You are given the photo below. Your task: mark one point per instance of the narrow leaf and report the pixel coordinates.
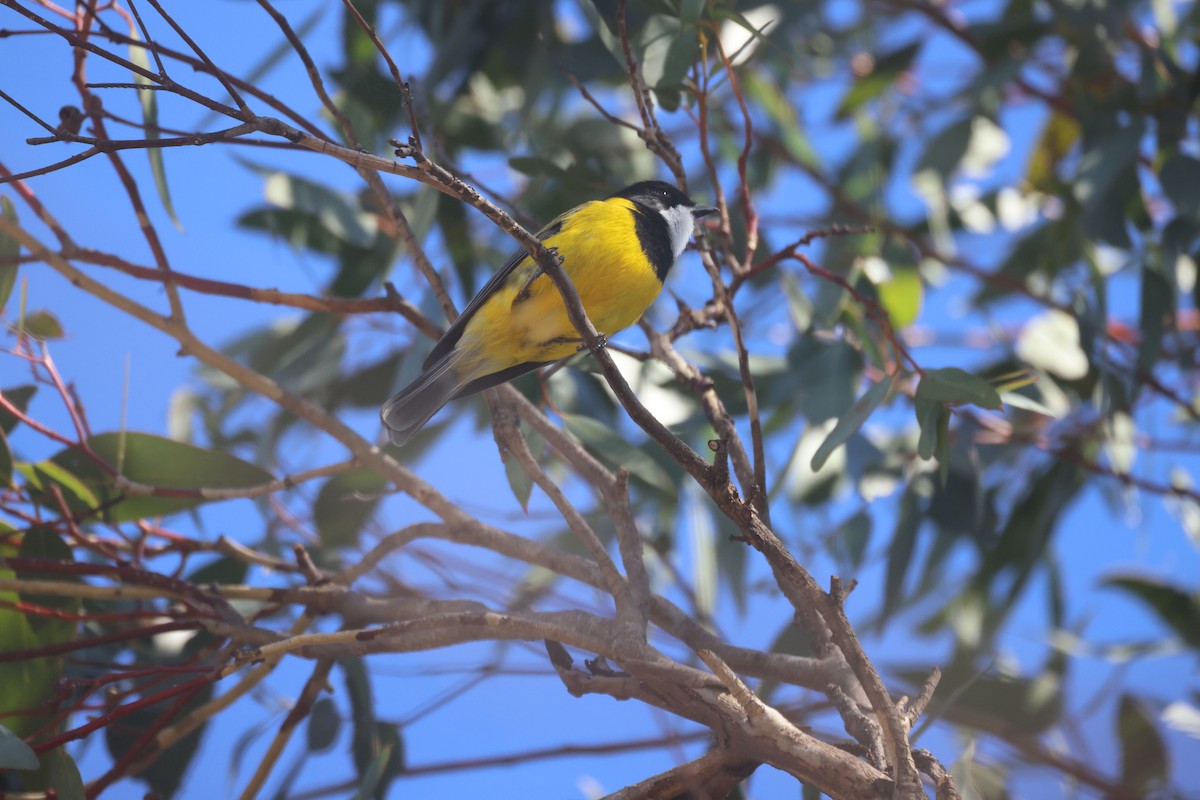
(149, 102)
(1178, 609)
(958, 387)
(904, 542)
(615, 450)
(519, 481)
(9, 250)
(849, 423)
(1143, 752)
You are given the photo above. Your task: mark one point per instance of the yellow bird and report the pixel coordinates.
(617, 252)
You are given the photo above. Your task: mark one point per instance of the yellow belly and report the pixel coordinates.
(526, 321)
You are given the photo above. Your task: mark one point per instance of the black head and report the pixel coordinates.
(665, 218)
(657, 195)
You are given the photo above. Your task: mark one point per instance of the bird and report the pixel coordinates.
(617, 252)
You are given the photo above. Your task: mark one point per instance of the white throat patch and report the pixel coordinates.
(680, 223)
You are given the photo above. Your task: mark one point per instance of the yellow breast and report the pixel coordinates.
(526, 320)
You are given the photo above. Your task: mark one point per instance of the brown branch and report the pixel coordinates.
(317, 683)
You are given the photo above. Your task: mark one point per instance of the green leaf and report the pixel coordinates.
(154, 461)
(64, 775)
(887, 69)
(954, 386)
(945, 150)
(616, 451)
(336, 213)
(670, 49)
(14, 753)
(1107, 182)
(519, 481)
(931, 417)
(849, 423)
(377, 747)
(163, 775)
(28, 686)
(690, 10)
(997, 701)
(43, 325)
(1058, 137)
(599, 23)
(1180, 176)
(901, 297)
(535, 166)
(224, 570)
(18, 396)
(1156, 317)
(900, 552)
(6, 463)
(851, 538)
(324, 724)
(9, 250)
(345, 504)
(46, 544)
(1143, 752)
(149, 102)
(1176, 608)
(769, 97)
(44, 475)
(386, 765)
(824, 377)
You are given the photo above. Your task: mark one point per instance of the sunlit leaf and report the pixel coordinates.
(149, 102)
(1057, 138)
(901, 297)
(43, 325)
(1050, 341)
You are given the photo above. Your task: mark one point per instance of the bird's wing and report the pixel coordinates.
(451, 336)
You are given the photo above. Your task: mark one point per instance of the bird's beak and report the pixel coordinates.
(703, 211)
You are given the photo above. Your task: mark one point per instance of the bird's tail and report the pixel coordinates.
(412, 406)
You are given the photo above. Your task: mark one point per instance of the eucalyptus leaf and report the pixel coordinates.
(179, 471)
